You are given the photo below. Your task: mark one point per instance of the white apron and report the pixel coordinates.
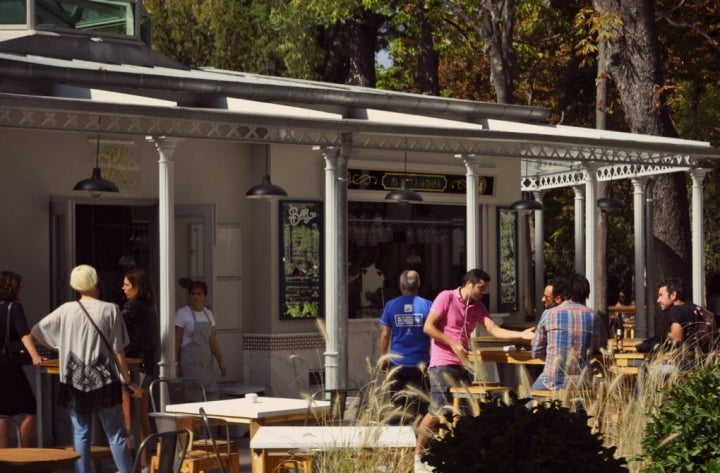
(196, 360)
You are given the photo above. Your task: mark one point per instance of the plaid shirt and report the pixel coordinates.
(566, 337)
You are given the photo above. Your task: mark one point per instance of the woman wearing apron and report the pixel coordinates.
(196, 343)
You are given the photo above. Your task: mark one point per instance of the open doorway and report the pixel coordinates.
(113, 239)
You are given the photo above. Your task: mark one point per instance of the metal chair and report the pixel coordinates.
(170, 450)
(16, 427)
(228, 456)
(174, 391)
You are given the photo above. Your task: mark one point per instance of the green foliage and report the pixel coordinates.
(683, 432)
(515, 438)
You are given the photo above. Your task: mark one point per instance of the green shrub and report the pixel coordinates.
(684, 430)
(513, 438)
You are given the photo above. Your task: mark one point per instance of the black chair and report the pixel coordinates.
(169, 450)
(16, 427)
(175, 391)
(209, 425)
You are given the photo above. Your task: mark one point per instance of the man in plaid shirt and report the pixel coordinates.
(567, 335)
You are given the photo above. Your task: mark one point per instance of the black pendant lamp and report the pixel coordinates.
(526, 204)
(266, 189)
(96, 185)
(610, 203)
(404, 195)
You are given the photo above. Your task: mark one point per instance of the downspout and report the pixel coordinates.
(649, 265)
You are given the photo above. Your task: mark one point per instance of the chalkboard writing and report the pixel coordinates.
(301, 248)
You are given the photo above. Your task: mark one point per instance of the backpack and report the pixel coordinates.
(706, 329)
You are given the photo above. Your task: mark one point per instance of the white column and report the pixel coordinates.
(336, 261)
(166, 226)
(698, 239)
(579, 229)
(472, 210)
(641, 322)
(590, 231)
(539, 254)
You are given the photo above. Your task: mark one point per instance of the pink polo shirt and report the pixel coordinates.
(457, 321)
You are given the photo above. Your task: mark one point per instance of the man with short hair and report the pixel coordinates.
(680, 313)
(549, 298)
(454, 315)
(402, 333)
(567, 335)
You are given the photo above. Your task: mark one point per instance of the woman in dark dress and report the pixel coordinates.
(141, 319)
(16, 396)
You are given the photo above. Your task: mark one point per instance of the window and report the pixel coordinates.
(508, 261)
(96, 16)
(13, 12)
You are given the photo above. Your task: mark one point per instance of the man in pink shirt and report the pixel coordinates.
(454, 315)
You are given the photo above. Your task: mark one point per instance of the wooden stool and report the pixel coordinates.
(199, 461)
(475, 392)
(629, 329)
(564, 395)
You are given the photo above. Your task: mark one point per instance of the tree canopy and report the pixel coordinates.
(662, 73)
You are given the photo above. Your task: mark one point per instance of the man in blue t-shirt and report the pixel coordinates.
(402, 323)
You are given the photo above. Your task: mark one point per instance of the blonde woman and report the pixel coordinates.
(90, 337)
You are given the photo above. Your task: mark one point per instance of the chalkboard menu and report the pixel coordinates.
(301, 265)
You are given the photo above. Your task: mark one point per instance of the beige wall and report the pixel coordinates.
(40, 166)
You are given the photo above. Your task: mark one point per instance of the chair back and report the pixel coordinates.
(163, 391)
(171, 448)
(209, 425)
(16, 427)
(175, 391)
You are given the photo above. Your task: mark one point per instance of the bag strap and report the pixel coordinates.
(7, 328)
(102, 335)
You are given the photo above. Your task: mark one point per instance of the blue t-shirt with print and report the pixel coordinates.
(405, 315)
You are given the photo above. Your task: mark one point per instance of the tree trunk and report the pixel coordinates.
(362, 42)
(601, 232)
(426, 75)
(635, 67)
(498, 23)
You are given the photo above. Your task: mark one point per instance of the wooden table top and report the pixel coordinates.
(499, 355)
(491, 339)
(36, 460)
(624, 309)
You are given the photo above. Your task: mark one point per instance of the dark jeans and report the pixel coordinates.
(403, 384)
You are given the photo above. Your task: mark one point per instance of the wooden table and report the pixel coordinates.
(271, 445)
(499, 355)
(502, 341)
(267, 410)
(36, 460)
(627, 362)
(628, 344)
